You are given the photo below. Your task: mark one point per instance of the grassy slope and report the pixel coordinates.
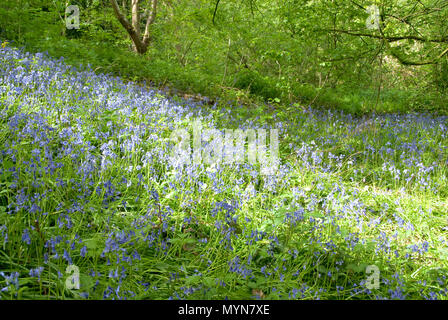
(337, 204)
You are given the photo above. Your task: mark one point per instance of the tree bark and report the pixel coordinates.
(140, 45)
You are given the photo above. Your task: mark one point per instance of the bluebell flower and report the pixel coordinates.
(83, 251)
(36, 272)
(26, 236)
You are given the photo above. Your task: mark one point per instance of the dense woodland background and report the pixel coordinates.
(281, 52)
(356, 206)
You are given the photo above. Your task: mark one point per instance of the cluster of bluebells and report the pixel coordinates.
(86, 165)
(391, 144)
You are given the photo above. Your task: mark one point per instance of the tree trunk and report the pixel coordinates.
(139, 44)
(136, 17)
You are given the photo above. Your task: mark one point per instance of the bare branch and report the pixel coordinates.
(216, 9)
(136, 17)
(390, 38)
(151, 18)
(122, 19)
(133, 28)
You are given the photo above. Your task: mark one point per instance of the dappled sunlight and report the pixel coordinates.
(87, 181)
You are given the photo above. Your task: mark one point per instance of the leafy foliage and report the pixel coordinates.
(85, 138)
(85, 182)
(283, 49)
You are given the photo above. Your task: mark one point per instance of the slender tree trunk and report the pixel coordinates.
(136, 15)
(140, 45)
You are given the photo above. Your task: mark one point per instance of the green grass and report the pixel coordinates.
(333, 208)
(243, 88)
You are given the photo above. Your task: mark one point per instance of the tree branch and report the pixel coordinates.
(151, 18)
(124, 22)
(216, 9)
(389, 38)
(136, 17)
